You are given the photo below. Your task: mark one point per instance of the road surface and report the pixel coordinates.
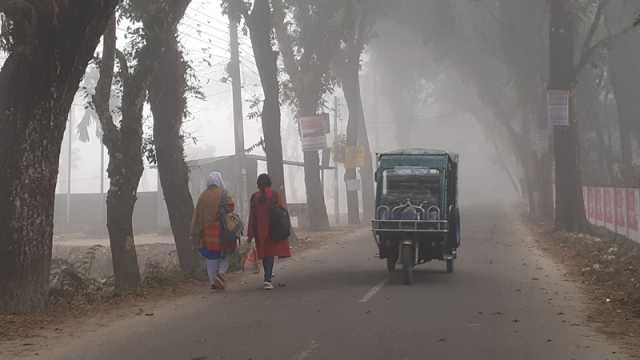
(504, 302)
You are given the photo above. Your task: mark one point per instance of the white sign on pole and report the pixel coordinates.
(558, 107)
(313, 131)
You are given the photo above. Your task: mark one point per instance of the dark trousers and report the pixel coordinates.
(268, 262)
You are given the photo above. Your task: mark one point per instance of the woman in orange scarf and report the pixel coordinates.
(205, 229)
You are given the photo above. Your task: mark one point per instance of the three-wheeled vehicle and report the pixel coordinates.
(417, 217)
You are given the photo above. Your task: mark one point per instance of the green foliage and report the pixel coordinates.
(255, 108)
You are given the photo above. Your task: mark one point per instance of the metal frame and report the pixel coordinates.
(412, 226)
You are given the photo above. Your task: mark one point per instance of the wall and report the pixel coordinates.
(88, 214)
(615, 209)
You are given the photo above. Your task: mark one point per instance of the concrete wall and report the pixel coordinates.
(88, 214)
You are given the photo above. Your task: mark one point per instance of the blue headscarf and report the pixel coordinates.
(215, 179)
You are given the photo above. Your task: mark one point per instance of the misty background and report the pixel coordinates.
(446, 116)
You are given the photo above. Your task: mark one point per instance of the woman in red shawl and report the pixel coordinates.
(267, 248)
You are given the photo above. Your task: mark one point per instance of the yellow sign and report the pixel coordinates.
(354, 157)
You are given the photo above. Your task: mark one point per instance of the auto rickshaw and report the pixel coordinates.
(417, 217)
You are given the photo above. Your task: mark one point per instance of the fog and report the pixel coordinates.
(434, 74)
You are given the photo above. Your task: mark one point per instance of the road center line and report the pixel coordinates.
(372, 292)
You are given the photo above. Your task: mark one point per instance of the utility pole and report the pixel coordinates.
(236, 85)
(336, 204)
(69, 148)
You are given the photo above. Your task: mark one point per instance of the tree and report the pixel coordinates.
(564, 72)
(50, 44)
(168, 98)
(307, 46)
(259, 22)
(358, 25)
(623, 58)
(124, 143)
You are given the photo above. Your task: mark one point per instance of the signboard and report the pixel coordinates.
(558, 107)
(313, 132)
(354, 157)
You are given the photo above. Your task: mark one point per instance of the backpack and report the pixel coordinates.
(231, 226)
(279, 221)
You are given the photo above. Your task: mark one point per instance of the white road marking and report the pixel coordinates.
(374, 290)
(307, 352)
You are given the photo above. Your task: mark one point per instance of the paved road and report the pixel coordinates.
(505, 301)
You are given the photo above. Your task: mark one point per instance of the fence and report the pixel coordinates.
(615, 209)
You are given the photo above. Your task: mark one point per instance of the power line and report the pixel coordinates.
(196, 28)
(245, 52)
(224, 29)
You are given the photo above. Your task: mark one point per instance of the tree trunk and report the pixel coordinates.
(308, 87)
(125, 144)
(317, 208)
(569, 214)
(267, 62)
(318, 217)
(367, 174)
(354, 104)
(125, 167)
(357, 135)
(38, 83)
(168, 105)
(120, 205)
(625, 76)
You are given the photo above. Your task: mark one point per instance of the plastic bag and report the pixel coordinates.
(250, 261)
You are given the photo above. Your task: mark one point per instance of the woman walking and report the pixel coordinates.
(268, 249)
(205, 229)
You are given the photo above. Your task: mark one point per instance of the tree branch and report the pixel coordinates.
(594, 26)
(244, 11)
(102, 96)
(285, 44)
(124, 66)
(588, 54)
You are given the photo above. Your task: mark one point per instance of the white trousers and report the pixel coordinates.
(217, 266)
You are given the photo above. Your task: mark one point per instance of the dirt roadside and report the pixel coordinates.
(21, 335)
(607, 270)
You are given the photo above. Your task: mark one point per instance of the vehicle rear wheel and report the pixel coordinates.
(449, 266)
(407, 263)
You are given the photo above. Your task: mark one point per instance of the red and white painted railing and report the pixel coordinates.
(615, 209)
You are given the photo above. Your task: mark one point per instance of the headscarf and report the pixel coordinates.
(215, 179)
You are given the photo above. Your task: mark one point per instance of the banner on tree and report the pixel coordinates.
(313, 132)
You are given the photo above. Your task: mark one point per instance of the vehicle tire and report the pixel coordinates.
(407, 264)
(450, 267)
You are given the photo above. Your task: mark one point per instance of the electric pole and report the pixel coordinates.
(336, 205)
(69, 152)
(236, 85)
